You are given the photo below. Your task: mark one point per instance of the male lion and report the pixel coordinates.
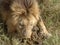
(21, 16)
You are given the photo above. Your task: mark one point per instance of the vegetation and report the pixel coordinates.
(51, 17)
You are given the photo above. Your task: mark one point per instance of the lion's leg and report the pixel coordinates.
(44, 31)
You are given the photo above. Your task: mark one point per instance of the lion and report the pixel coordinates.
(22, 16)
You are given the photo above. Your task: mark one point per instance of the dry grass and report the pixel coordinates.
(51, 12)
